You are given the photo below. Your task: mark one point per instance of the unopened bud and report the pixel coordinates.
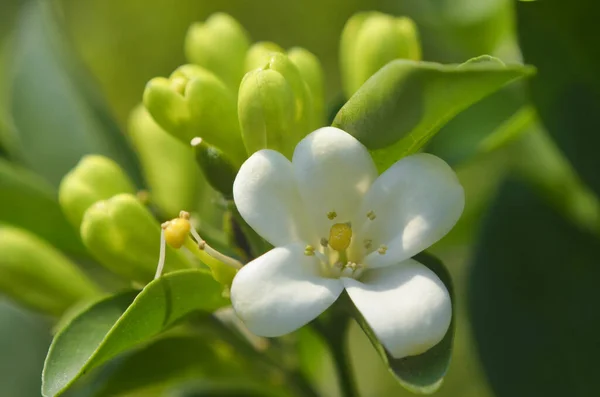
(124, 236)
(170, 171)
(94, 178)
(204, 107)
(266, 110)
(312, 72)
(35, 274)
(260, 53)
(219, 45)
(369, 41)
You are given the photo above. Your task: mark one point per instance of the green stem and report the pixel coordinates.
(300, 385)
(335, 331)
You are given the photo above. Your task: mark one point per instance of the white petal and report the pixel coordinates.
(266, 195)
(333, 171)
(416, 202)
(407, 306)
(281, 291)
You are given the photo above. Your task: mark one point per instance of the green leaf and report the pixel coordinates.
(424, 373)
(405, 103)
(566, 91)
(532, 293)
(121, 322)
(29, 202)
(56, 120)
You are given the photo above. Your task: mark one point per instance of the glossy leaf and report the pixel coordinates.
(532, 293)
(424, 373)
(402, 106)
(566, 91)
(30, 202)
(122, 322)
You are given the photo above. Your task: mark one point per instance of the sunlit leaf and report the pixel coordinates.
(121, 322)
(402, 106)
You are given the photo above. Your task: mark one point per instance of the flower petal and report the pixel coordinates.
(407, 306)
(266, 195)
(333, 171)
(281, 291)
(415, 203)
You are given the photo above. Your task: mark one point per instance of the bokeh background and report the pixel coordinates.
(523, 257)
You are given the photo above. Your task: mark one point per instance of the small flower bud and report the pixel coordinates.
(304, 117)
(219, 45)
(312, 72)
(94, 178)
(169, 166)
(218, 169)
(260, 53)
(266, 110)
(35, 274)
(369, 41)
(124, 236)
(194, 102)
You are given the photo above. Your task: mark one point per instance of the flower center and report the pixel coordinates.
(340, 236)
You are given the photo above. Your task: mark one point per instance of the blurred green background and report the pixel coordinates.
(522, 256)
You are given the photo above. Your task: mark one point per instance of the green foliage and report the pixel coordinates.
(28, 201)
(424, 373)
(532, 284)
(68, 122)
(35, 274)
(121, 322)
(403, 105)
(566, 91)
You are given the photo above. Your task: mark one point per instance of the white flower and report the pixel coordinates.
(336, 224)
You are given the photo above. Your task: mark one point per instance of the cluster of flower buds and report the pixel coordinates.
(234, 98)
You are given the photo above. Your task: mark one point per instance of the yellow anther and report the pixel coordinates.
(340, 236)
(371, 215)
(176, 231)
(309, 250)
(382, 249)
(331, 215)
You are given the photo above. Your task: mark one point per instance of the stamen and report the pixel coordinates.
(203, 245)
(382, 249)
(309, 250)
(161, 254)
(331, 215)
(371, 215)
(347, 271)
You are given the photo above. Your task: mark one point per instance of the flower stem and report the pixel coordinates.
(334, 330)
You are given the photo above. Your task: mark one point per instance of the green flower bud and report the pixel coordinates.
(169, 166)
(194, 102)
(219, 45)
(304, 117)
(369, 41)
(218, 169)
(124, 236)
(312, 72)
(266, 110)
(35, 274)
(260, 53)
(94, 178)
